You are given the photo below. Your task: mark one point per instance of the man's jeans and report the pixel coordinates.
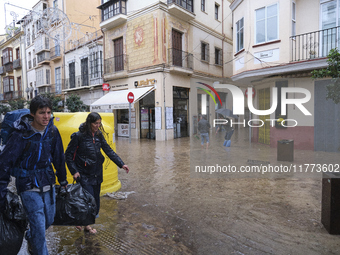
(40, 211)
(206, 135)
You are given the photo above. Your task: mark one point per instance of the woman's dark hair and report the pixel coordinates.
(91, 118)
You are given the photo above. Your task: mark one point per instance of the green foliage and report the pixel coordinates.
(333, 71)
(17, 104)
(74, 104)
(57, 102)
(4, 109)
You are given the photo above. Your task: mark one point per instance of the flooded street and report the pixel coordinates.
(175, 211)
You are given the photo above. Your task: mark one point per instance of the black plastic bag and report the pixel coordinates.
(75, 207)
(13, 224)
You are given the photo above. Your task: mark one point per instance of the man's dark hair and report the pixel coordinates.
(40, 102)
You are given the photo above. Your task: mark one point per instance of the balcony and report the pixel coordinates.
(77, 82)
(43, 58)
(116, 67)
(17, 64)
(180, 61)
(42, 44)
(13, 95)
(183, 9)
(113, 13)
(314, 45)
(55, 53)
(9, 68)
(89, 37)
(2, 70)
(50, 89)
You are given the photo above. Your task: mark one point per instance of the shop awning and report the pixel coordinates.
(118, 99)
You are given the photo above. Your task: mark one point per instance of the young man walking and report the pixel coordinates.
(28, 155)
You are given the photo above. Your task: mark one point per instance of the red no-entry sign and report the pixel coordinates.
(130, 97)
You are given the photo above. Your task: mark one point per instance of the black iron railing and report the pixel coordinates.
(17, 63)
(55, 52)
(180, 58)
(116, 64)
(313, 45)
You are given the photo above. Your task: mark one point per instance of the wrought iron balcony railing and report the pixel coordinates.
(180, 58)
(13, 95)
(116, 64)
(55, 52)
(77, 81)
(17, 63)
(313, 45)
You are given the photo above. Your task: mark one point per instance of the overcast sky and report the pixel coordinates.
(19, 7)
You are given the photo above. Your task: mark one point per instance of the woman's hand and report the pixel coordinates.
(76, 175)
(126, 168)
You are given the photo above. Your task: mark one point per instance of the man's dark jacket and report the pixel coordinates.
(83, 155)
(30, 156)
(203, 126)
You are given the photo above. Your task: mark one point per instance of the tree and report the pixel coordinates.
(56, 100)
(4, 109)
(74, 104)
(333, 71)
(17, 104)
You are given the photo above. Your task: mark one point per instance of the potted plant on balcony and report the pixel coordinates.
(312, 54)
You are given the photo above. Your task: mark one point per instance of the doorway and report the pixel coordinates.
(147, 117)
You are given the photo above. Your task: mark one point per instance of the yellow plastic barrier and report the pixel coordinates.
(68, 123)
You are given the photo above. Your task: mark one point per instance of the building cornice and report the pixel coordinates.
(252, 75)
(235, 4)
(148, 9)
(208, 30)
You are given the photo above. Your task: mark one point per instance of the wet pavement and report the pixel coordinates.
(177, 211)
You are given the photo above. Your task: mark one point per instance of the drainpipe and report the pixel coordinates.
(165, 137)
(223, 39)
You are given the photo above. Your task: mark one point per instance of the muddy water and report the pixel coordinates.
(177, 211)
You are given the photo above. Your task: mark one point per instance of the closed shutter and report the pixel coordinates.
(176, 48)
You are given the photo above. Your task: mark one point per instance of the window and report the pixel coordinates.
(48, 77)
(329, 21)
(203, 5)
(7, 55)
(55, 3)
(17, 53)
(266, 24)
(177, 58)
(239, 34)
(204, 51)
(28, 37)
(112, 8)
(8, 84)
(58, 80)
(118, 54)
(217, 7)
(96, 59)
(218, 56)
(293, 19)
(33, 33)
